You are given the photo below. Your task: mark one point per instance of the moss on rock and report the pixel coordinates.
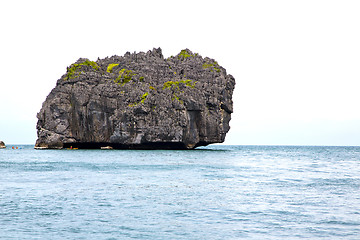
(111, 66)
(125, 76)
(176, 84)
(213, 66)
(184, 54)
(143, 97)
(73, 70)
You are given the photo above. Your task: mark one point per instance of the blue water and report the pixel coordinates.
(218, 192)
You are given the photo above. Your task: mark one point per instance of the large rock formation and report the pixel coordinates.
(138, 101)
(2, 144)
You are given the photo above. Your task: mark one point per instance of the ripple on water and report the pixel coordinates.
(219, 192)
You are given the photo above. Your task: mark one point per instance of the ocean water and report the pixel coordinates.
(217, 192)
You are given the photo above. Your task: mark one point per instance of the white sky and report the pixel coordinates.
(296, 63)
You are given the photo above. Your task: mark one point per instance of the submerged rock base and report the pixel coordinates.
(143, 146)
(138, 101)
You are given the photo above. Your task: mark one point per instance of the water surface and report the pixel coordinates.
(217, 192)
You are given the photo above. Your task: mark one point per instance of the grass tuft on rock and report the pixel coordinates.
(111, 66)
(73, 70)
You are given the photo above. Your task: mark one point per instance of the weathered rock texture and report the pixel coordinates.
(2, 144)
(138, 101)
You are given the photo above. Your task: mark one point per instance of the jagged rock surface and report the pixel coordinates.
(138, 101)
(2, 144)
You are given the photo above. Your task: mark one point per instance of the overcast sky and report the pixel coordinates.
(296, 63)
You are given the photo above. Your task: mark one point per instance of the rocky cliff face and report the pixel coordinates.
(138, 101)
(2, 144)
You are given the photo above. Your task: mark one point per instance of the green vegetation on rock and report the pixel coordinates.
(175, 84)
(111, 66)
(184, 54)
(214, 66)
(207, 65)
(175, 87)
(177, 98)
(75, 67)
(125, 76)
(142, 100)
(143, 97)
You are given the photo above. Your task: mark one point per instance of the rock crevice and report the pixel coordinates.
(138, 101)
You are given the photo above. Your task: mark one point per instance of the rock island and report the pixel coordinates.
(138, 101)
(2, 144)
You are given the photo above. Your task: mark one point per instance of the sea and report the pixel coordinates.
(213, 192)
